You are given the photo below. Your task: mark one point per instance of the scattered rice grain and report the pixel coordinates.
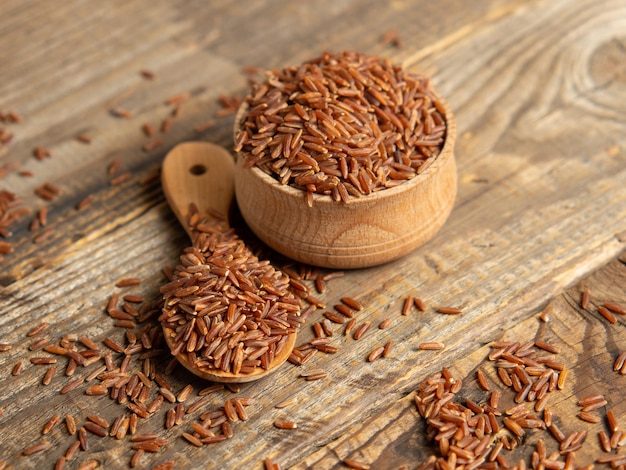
(285, 424)
(449, 310)
(431, 346)
(355, 464)
(607, 314)
(37, 448)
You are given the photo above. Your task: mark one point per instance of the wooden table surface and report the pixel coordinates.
(539, 91)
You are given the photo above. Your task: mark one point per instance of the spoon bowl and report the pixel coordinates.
(203, 174)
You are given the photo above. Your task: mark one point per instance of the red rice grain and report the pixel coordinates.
(184, 393)
(546, 347)
(177, 99)
(332, 275)
(556, 432)
(604, 441)
(84, 203)
(614, 307)
(285, 424)
(52, 422)
(40, 153)
(43, 235)
(134, 298)
(591, 399)
(584, 299)
(70, 424)
(349, 326)
(309, 377)
(71, 450)
(227, 429)
(148, 74)
(38, 329)
(408, 303)
(419, 303)
(204, 126)
(547, 417)
(166, 125)
(135, 460)
(53, 349)
(589, 417)
(192, 439)
(121, 178)
(37, 448)
(361, 330)
(147, 129)
(42, 360)
(114, 166)
(561, 380)
(100, 421)
(121, 113)
(18, 368)
(72, 385)
(607, 314)
(128, 281)
(335, 317)
(47, 378)
(594, 406)
(269, 464)
(514, 427)
(60, 463)
(353, 304)
(327, 327)
(355, 464)
(170, 418)
(95, 429)
(167, 465)
(211, 389)
(494, 399)
(431, 346)
(38, 344)
(230, 411)
(214, 439)
(376, 353)
(90, 344)
(344, 310)
(449, 310)
(482, 380)
(132, 423)
(620, 362)
(285, 403)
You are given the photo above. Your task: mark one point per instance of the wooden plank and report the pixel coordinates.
(588, 345)
(541, 201)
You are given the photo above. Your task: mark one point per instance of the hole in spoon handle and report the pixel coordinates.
(200, 173)
(197, 169)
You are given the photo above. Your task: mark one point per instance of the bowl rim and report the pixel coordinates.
(447, 152)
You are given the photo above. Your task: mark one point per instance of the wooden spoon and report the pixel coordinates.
(203, 174)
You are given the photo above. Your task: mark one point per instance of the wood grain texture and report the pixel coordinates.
(587, 345)
(539, 91)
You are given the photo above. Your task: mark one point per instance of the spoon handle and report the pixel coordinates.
(200, 173)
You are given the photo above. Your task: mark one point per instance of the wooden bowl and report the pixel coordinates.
(365, 231)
